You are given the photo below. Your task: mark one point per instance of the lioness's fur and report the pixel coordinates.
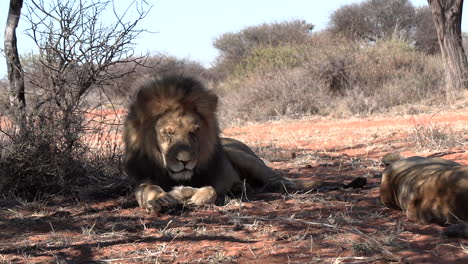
(428, 189)
(174, 152)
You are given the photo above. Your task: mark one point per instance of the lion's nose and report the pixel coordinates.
(184, 157)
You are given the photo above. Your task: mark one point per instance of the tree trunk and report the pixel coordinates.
(447, 15)
(15, 71)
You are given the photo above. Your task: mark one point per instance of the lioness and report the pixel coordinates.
(174, 152)
(428, 189)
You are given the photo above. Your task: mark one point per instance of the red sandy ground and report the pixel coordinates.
(340, 226)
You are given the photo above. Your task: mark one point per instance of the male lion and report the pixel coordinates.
(174, 152)
(428, 189)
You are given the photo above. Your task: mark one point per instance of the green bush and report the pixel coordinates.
(264, 60)
(235, 47)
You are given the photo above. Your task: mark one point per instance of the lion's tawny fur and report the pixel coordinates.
(428, 189)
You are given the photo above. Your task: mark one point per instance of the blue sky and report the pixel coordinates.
(187, 28)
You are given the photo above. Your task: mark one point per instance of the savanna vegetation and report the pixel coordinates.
(373, 57)
(66, 198)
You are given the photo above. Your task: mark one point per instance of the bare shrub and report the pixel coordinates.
(436, 136)
(77, 55)
(374, 19)
(425, 34)
(349, 21)
(34, 164)
(4, 100)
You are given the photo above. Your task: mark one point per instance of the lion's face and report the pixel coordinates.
(172, 123)
(177, 134)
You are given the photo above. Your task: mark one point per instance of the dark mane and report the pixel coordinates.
(170, 92)
(155, 98)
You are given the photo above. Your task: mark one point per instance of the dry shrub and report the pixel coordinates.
(267, 59)
(271, 96)
(391, 73)
(374, 19)
(80, 52)
(425, 35)
(330, 61)
(4, 95)
(38, 161)
(73, 152)
(235, 47)
(330, 75)
(437, 136)
(374, 69)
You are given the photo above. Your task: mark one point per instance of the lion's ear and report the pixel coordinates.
(142, 97)
(150, 102)
(205, 103)
(212, 101)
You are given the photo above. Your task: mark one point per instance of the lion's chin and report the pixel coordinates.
(183, 175)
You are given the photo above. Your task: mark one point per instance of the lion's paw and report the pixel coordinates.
(204, 195)
(152, 198)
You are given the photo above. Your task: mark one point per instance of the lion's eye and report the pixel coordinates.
(169, 134)
(194, 130)
(193, 134)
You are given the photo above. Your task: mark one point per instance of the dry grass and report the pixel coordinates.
(297, 227)
(332, 77)
(438, 136)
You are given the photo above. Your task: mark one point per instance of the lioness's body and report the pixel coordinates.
(429, 189)
(174, 152)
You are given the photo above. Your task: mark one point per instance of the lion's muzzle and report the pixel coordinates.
(181, 164)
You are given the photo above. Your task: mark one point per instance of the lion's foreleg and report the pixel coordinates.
(306, 185)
